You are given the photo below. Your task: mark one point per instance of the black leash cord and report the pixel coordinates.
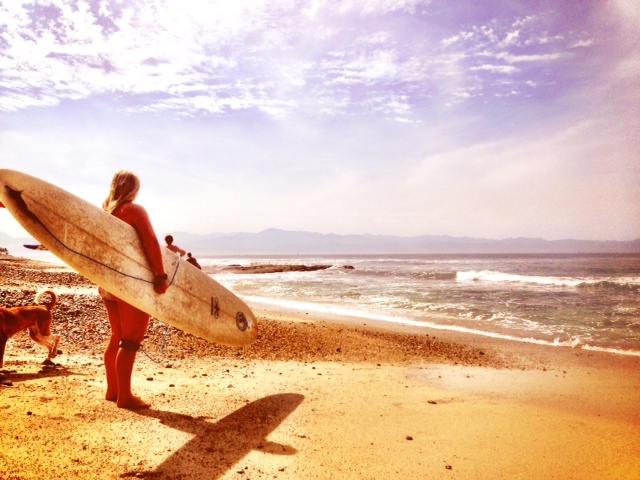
(16, 196)
(164, 339)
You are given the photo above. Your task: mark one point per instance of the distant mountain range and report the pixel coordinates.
(285, 242)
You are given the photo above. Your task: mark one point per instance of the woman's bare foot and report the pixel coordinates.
(111, 396)
(132, 402)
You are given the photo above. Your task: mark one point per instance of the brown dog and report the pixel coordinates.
(36, 318)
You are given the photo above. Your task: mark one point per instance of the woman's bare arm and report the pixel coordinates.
(136, 216)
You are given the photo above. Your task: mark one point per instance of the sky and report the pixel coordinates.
(487, 119)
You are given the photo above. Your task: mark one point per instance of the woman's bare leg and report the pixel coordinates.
(111, 350)
(134, 324)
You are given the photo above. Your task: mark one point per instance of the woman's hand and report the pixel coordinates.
(160, 283)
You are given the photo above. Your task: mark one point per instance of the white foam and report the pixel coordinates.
(492, 276)
(345, 312)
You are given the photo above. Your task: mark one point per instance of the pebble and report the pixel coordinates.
(81, 321)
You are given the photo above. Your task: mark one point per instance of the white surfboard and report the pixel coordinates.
(108, 252)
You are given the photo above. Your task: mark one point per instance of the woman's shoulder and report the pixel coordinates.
(129, 212)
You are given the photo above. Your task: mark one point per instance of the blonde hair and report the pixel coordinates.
(124, 188)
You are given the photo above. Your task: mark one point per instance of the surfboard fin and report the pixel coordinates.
(35, 247)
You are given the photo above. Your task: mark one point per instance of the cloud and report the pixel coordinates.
(462, 36)
(493, 186)
(270, 57)
(376, 116)
(511, 38)
(69, 52)
(507, 69)
(514, 58)
(209, 58)
(582, 43)
(377, 7)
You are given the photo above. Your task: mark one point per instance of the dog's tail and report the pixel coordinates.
(54, 298)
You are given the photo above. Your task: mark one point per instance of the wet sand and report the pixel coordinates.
(311, 399)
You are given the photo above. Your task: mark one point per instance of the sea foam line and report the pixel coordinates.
(492, 276)
(345, 312)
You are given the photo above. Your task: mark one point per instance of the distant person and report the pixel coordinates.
(172, 247)
(193, 261)
(128, 324)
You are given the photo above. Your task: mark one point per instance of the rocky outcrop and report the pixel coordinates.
(273, 268)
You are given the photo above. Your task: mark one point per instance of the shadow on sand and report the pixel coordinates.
(218, 446)
(9, 377)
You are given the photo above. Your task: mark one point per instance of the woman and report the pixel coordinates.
(128, 324)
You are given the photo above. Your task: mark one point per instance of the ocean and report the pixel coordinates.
(586, 301)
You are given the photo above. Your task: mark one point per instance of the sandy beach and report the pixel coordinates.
(311, 399)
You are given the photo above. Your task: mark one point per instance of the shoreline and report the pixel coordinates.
(283, 308)
(420, 328)
(312, 398)
(281, 322)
